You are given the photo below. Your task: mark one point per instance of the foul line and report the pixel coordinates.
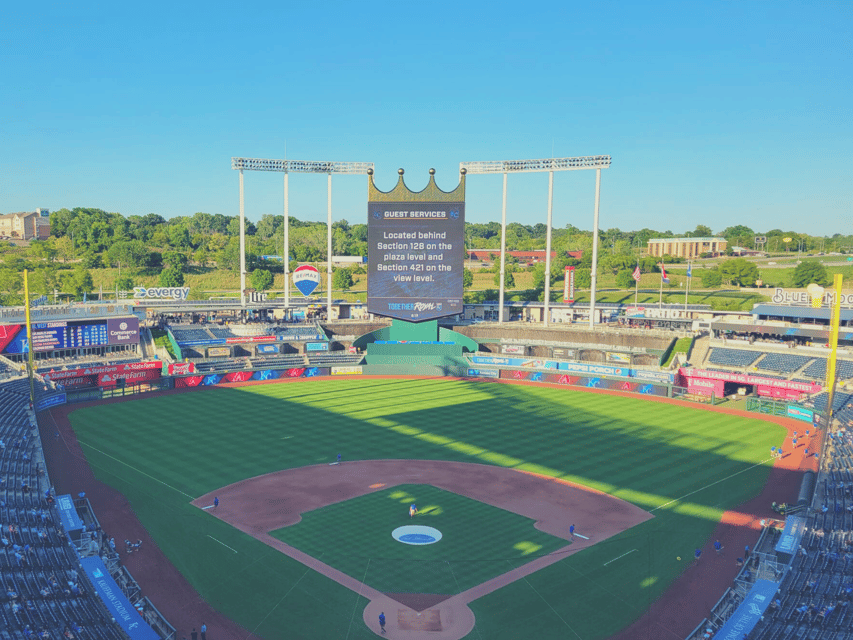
(220, 542)
(292, 587)
(737, 473)
(622, 556)
(552, 608)
(137, 470)
(358, 595)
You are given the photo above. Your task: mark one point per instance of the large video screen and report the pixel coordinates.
(415, 259)
(69, 334)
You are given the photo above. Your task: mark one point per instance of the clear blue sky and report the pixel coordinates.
(716, 113)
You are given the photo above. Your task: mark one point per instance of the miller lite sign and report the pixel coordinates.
(306, 278)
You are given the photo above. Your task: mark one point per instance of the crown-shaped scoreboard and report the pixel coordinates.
(416, 250)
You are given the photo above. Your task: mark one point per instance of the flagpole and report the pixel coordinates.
(687, 290)
(660, 300)
(637, 289)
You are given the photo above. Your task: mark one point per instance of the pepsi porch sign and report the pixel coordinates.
(306, 278)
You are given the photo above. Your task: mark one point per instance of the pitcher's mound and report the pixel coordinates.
(427, 620)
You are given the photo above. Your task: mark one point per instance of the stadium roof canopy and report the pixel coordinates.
(797, 314)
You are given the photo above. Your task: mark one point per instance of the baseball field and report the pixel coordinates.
(682, 466)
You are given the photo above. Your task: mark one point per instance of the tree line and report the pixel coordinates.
(86, 238)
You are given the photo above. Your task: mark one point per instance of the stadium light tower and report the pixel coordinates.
(286, 167)
(550, 165)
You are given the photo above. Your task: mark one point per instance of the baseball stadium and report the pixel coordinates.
(240, 469)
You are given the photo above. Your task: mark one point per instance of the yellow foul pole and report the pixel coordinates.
(30, 367)
(835, 320)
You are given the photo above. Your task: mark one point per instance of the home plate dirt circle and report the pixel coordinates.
(269, 502)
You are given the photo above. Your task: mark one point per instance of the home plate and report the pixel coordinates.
(428, 620)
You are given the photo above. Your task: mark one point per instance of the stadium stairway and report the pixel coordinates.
(701, 346)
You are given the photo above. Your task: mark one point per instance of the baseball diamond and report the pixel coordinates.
(297, 547)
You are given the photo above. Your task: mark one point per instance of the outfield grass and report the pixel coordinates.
(478, 541)
(162, 452)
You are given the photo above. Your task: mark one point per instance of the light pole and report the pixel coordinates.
(539, 166)
(286, 167)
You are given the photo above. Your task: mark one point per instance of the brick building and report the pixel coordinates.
(33, 225)
(686, 247)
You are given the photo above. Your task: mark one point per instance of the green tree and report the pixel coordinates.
(702, 231)
(171, 277)
(342, 279)
(807, 272)
(739, 271)
(467, 278)
(78, 282)
(125, 283)
(625, 279)
(711, 278)
(65, 248)
(261, 279)
(509, 279)
(583, 278)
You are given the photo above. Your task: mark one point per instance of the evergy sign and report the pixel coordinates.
(176, 293)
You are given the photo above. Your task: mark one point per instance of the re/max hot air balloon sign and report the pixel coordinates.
(306, 278)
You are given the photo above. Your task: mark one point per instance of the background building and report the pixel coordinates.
(686, 247)
(26, 225)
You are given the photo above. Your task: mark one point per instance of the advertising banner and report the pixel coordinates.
(175, 293)
(656, 376)
(130, 377)
(415, 259)
(180, 368)
(68, 514)
(306, 278)
(219, 352)
(119, 369)
(745, 378)
(483, 373)
(241, 339)
(789, 541)
(118, 605)
(267, 348)
(50, 401)
(800, 413)
(566, 354)
(624, 358)
(199, 343)
(750, 611)
(598, 369)
(569, 285)
(590, 382)
(355, 370)
(516, 362)
(513, 348)
(123, 330)
(316, 346)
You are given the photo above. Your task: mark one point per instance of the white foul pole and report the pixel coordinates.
(242, 245)
(286, 256)
(594, 248)
(503, 255)
(329, 251)
(548, 248)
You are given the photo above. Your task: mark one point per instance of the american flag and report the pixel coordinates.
(663, 275)
(637, 273)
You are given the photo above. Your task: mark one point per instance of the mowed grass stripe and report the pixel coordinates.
(646, 452)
